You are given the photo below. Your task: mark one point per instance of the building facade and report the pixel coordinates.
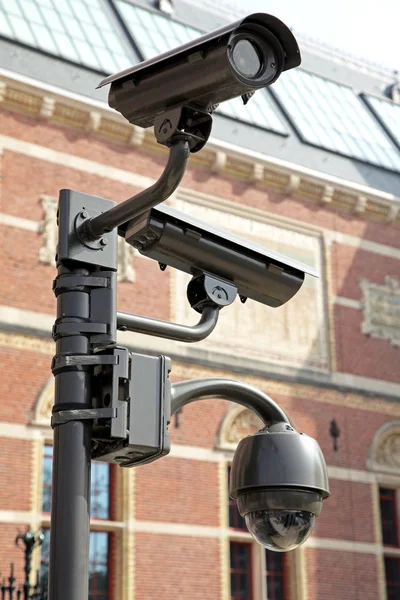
(285, 175)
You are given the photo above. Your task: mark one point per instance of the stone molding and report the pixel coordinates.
(237, 424)
(59, 107)
(385, 450)
(381, 309)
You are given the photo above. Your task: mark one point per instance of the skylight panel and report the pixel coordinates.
(332, 116)
(387, 113)
(82, 31)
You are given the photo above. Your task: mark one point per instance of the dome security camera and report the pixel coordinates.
(279, 479)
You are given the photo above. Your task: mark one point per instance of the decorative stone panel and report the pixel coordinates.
(238, 423)
(49, 231)
(381, 308)
(385, 451)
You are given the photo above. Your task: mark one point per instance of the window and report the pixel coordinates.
(99, 540)
(240, 571)
(275, 575)
(236, 520)
(98, 563)
(387, 500)
(389, 507)
(392, 570)
(255, 573)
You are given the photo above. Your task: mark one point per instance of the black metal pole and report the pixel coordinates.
(70, 502)
(85, 288)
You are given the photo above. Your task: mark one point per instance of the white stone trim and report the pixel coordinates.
(23, 432)
(362, 244)
(343, 545)
(199, 531)
(347, 302)
(352, 475)
(19, 516)
(19, 223)
(74, 162)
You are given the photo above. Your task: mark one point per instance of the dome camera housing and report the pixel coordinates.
(279, 480)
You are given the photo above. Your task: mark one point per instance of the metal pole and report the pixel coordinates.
(85, 288)
(70, 502)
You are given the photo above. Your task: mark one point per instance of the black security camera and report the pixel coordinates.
(193, 246)
(279, 479)
(232, 61)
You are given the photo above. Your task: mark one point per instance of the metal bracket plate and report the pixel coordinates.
(72, 204)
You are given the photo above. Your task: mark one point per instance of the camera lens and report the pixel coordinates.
(280, 530)
(246, 58)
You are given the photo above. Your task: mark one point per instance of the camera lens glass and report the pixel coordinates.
(280, 530)
(246, 58)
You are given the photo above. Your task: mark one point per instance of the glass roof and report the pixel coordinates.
(388, 113)
(332, 116)
(83, 31)
(155, 34)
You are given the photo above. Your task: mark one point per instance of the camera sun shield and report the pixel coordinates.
(232, 61)
(193, 246)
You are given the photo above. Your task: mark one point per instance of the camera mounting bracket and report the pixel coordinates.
(207, 295)
(183, 123)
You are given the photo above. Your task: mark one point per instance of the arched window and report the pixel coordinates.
(385, 461)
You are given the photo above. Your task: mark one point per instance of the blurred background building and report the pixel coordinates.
(310, 167)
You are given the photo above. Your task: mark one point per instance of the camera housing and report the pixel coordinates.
(235, 60)
(193, 246)
(279, 479)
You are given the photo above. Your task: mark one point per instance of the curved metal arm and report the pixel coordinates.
(138, 204)
(172, 331)
(185, 392)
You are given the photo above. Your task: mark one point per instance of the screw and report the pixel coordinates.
(103, 241)
(84, 214)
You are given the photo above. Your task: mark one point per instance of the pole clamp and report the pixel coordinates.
(66, 283)
(78, 362)
(65, 416)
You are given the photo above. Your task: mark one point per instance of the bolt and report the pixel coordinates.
(84, 214)
(103, 241)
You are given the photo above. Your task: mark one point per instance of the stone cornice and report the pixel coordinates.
(60, 107)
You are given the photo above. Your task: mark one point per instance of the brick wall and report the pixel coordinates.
(184, 491)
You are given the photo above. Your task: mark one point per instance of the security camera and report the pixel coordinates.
(279, 479)
(232, 61)
(193, 246)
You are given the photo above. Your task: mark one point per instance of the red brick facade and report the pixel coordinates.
(176, 511)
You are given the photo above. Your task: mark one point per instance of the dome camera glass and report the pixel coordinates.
(280, 530)
(246, 58)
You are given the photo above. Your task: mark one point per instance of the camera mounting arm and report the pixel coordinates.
(206, 294)
(171, 331)
(185, 392)
(95, 227)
